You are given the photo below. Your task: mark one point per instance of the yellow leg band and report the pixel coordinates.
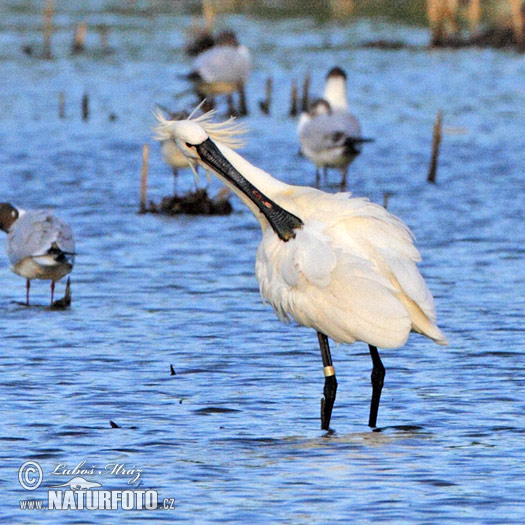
(329, 371)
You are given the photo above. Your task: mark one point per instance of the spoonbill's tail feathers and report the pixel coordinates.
(227, 132)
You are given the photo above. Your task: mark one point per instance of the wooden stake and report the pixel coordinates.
(79, 40)
(61, 105)
(49, 11)
(144, 178)
(294, 100)
(103, 32)
(436, 141)
(265, 104)
(243, 107)
(306, 96)
(85, 107)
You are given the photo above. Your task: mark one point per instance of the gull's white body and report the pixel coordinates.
(30, 238)
(350, 272)
(173, 155)
(324, 136)
(222, 69)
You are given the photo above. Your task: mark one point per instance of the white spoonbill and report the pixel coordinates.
(39, 245)
(343, 266)
(330, 136)
(223, 69)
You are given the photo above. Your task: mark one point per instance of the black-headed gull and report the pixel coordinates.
(223, 69)
(39, 244)
(330, 136)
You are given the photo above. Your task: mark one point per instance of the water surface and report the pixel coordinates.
(234, 435)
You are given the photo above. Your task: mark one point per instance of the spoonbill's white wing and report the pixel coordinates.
(350, 272)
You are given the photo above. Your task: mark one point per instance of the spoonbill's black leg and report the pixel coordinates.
(330, 383)
(377, 377)
(52, 291)
(28, 285)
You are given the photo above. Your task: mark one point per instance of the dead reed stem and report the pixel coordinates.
(79, 39)
(103, 32)
(436, 141)
(85, 107)
(294, 100)
(266, 104)
(386, 198)
(305, 101)
(49, 11)
(61, 105)
(144, 178)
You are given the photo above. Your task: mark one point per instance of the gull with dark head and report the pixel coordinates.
(330, 136)
(223, 69)
(39, 245)
(343, 266)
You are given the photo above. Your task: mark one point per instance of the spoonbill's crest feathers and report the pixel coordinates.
(196, 130)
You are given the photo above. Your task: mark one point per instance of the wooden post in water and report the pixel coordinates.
(386, 198)
(61, 105)
(265, 104)
(49, 11)
(305, 101)
(294, 100)
(144, 178)
(85, 107)
(103, 32)
(79, 40)
(436, 141)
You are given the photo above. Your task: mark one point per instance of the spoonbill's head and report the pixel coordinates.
(8, 215)
(191, 132)
(185, 134)
(210, 144)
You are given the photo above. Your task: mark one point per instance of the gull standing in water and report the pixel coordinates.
(222, 70)
(172, 155)
(330, 136)
(39, 245)
(343, 266)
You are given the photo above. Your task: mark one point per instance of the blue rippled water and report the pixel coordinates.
(234, 434)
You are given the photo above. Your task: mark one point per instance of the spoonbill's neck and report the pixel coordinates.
(262, 180)
(335, 93)
(256, 188)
